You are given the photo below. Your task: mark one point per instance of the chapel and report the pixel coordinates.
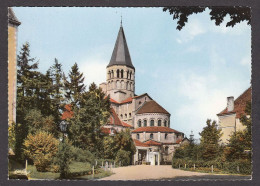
(147, 120)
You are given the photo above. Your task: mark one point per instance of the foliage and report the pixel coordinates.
(41, 147)
(241, 140)
(75, 86)
(91, 113)
(124, 157)
(236, 14)
(11, 136)
(210, 138)
(119, 146)
(80, 155)
(36, 121)
(63, 158)
(228, 167)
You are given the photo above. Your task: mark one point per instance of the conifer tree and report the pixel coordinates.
(210, 138)
(75, 86)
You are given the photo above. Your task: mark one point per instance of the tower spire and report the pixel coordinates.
(121, 21)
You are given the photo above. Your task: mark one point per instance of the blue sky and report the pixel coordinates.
(189, 72)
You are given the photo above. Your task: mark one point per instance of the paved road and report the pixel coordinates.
(162, 172)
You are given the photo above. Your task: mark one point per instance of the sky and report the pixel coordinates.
(189, 72)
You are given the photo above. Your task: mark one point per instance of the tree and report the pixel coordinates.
(27, 84)
(241, 141)
(88, 116)
(75, 86)
(58, 89)
(41, 148)
(210, 138)
(236, 13)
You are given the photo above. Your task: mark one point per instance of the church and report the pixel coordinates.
(147, 120)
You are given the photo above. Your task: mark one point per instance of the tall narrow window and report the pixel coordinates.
(137, 136)
(112, 74)
(127, 74)
(166, 135)
(125, 115)
(117, 73)
(151, 136)
(122, 73)
(145, 123)
(139, 123)
(159, 122)
(165, 123)
(152, 123)
(130, 75)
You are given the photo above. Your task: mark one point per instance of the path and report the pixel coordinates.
(145, 172)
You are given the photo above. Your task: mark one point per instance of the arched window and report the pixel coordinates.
(139, 123)
(122, 84)
(109, 74)
(130, 86)
(121, 116)
(127, 74)
(112, 74)
(122, 73)
(145, 123)
(165, 136)
(151, 136)
(126, 86)
(166, 149)
(130, 115)
(152, 123)
(130, 75)
(117, 84)
(117, 73)
(165, 123)
(137, 136)
(159, 122)
(125, 115)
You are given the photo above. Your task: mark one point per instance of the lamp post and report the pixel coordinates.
(63, 128)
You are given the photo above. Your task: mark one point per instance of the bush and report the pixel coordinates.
(124, 157)
(230, 167)
(81, 155)
(41, 148)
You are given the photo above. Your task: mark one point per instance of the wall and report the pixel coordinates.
(12, 43)
(150, 116)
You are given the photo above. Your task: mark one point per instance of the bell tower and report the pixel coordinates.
(120, 71)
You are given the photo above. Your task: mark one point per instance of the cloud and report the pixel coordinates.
(94, 70)
(246, 61)
(192, 29)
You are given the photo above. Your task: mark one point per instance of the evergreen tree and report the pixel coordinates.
(27, 88)
(89, 115)
(57, 104)
(75, 86)
(210, 138)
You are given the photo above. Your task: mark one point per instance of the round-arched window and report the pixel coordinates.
(145, 123)
(151, 136)
(138, 136)
(139, 123)
(159, 122)
(152, 123)
(165, 123)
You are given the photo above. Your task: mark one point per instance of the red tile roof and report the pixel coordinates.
(140, 144)
(155, 129)
(114, 101)
(178, 141)
(239, 104)
(152, 143)
(130, 99)
(105, 130)
(113, 119)
(126, 124)
(152, 107)
(68, 113)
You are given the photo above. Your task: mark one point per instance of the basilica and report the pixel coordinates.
(147, 120)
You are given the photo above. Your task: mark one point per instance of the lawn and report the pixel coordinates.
(78, 170)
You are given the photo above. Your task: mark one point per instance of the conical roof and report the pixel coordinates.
(121, 55)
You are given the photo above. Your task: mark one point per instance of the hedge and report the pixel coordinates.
(230, 167)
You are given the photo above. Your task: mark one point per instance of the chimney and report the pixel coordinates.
(230, 103)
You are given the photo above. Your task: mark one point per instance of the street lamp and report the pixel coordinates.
(63, 128)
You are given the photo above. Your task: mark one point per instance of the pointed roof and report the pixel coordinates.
(12, 18)
(121, 55)
(152, 107)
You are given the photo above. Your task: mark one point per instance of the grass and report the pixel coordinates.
(78, 170)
